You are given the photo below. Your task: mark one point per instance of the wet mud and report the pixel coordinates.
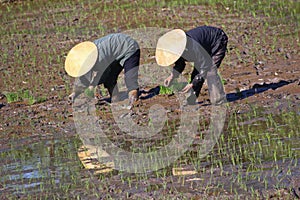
(39, 142)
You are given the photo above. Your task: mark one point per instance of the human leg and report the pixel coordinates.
(131, 67)
(214, 82)
(110, 77)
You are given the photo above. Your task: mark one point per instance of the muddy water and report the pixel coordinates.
(45, 166)
(257, 155)
(262, 153)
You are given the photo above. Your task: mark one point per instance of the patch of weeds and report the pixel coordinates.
(40, 99)
(23, 95)
(12, 97)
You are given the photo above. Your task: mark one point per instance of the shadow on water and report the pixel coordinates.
(256, 89)
(143, 94)
(147, 94)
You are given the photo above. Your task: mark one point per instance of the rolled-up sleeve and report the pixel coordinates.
(179, 67)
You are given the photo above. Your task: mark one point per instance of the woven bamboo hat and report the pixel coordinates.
(170, 47)
(81, 59)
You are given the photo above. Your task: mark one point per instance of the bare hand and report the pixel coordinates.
(71, 98)
(187, 88)
(168, 81)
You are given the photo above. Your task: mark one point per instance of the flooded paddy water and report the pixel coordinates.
(256, 156)
(47, 165)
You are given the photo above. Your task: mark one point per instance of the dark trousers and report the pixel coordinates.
(214, 82)
(131, 67)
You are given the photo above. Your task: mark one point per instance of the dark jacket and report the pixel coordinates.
(202, 44)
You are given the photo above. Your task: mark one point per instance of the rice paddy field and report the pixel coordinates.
(255, 155)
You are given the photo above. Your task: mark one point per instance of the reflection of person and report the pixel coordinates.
(101, 62)
(206, 47)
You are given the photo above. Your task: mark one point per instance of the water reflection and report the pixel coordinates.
(42, 165)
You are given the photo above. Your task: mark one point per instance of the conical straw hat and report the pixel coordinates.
(170, 47)
(81, 59)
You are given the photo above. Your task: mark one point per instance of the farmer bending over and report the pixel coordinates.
(206, 47)
(101, 62)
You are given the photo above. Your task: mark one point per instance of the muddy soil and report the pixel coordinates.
(256, 71)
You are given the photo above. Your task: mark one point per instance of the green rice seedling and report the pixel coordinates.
(12, 97)
(89, 93)
(175, 87)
